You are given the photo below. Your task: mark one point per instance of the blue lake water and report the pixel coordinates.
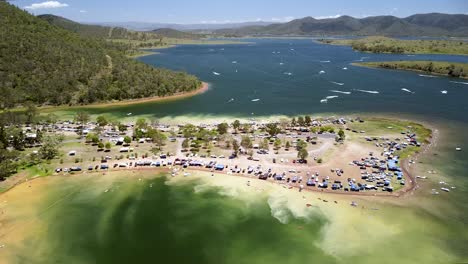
(285, 75)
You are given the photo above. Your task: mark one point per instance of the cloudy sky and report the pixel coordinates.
(221, 11)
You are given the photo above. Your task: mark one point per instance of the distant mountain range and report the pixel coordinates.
(202, 27)
(433, 24)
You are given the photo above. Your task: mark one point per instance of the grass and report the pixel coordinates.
(451, 69)
(377, 44)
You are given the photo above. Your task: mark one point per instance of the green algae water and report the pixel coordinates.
(151, 222)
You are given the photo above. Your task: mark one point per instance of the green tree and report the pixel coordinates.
(50, 146)
(83, 119)
(264, 144)
(287, 145)
(121, 127)
(302, 154)
(186, 143)
(293, 122)
(100, 145)
(158, 137)
(277, 143)
(235, 147)
(222, 128)
(341, 134)
(272, 129)
(108, 146)
(236, 125)
(31, 112)
(246, 142)
(301, 144)
(307, 120)
(91, 137)
(102, 121)
(300, 121)
(8, 164)
(189, 130)
(127, 139)
(141, 123)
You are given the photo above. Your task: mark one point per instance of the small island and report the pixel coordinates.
(451, 69)
(376, 44)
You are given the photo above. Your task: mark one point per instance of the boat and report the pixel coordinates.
(444, 92)
(321, 72)
(345, 68)
(445, 189)
(216, 73)
(255, 100)
(337, 83)
(406, 90)
(129, 114)
(458, 149)
(234, 62)
(324, 101)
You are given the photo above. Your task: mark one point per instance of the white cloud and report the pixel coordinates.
(325, 17)
(282, 19)
(46, 4)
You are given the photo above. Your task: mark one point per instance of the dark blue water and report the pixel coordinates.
(260, 76)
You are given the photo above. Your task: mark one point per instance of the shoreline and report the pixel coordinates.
(360, 64)
(204, 87)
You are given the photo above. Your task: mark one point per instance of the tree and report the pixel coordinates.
(273, 129)
(8, 165)
(189, 130)
(235, 147)
(91, 137)
(246, 142)
(102, 121)
(302, 154)
(300, 121)
(31, 112)
(293, 121)
(121, 127)
(51, 118)
(287, 145)
(222, 128)
(83, 119)
(141, 123)
(264, 144)
(108, 146)
(307, 120)
(277, 143)
(301, 144)
(100, 145)
(127, 139)
(157, 136)
(50, 147)
(341, 134)
(186, 143)
(236, 125)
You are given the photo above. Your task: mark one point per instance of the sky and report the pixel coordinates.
(232, 11)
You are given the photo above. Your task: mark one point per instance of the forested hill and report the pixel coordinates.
(96, 30)
(46, 64)
(433, 24)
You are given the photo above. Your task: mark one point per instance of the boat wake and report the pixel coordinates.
(406, 90)
(365, 91)
(230, 100)
(466, 83)
(331, 97)
(427, 76)
(341, 92)
(287, 73)
(337, 83)
(255, 100)
(325, 61)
